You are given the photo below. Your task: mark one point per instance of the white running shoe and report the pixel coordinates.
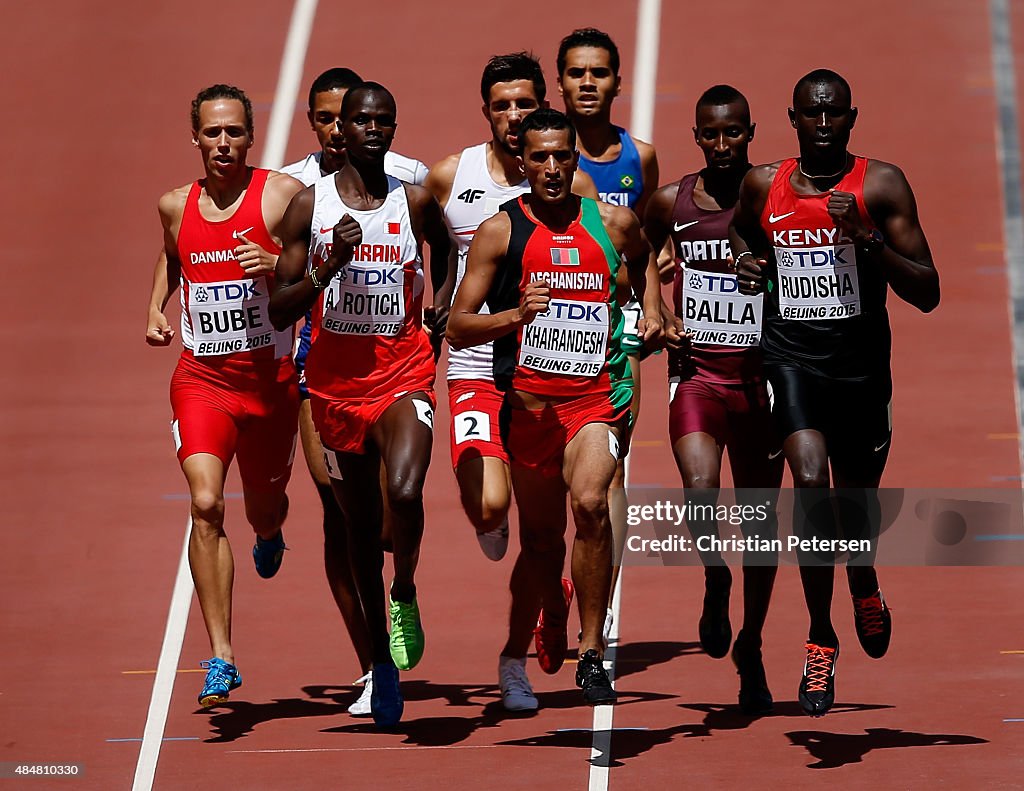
(494, 542)
(361, 708)
(516, 692)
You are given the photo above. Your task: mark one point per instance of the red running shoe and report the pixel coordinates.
(551, 637)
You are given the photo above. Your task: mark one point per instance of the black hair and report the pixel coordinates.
(364, 87)
(543, 119)
(331, 80)
(718, 95)
(512, 67)
(222, 91)
(819, 77)
(588, 37)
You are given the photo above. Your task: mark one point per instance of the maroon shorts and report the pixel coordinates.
(737, 416)
(343, 424)
(233, 413)
(475, 405)
(536, 439)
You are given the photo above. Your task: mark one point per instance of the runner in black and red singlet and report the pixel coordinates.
(824, 237)
(234, 390)
(352, 253)
(545, 266)
(719, 399)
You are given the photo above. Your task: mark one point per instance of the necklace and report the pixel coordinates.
(805, 174)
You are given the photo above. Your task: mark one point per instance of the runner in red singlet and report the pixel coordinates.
(546, 267)
(234, 391)
(719, 398)
(352, 253)
(824, 237)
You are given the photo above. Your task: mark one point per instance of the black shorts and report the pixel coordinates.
(854, 417)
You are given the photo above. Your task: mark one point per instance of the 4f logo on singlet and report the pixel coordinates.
(470, 195)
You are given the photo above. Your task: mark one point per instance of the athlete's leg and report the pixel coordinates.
(617, 495)
(337, 560)
(588, 467)
(357, 488)
(485, 488)
(807, 457)
(404, 435)
(209, 552)
(698, 426)
(536, 576)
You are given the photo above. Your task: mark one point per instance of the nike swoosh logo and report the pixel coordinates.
(681, 225)
(881, 446)
(279, 477)
(773, 219)
(236, 234)
(327, 230)
(776, 454)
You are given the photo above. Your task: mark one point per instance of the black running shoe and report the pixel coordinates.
(755, 697)
(593, 679)
(873, 620)
(818, 686)
(714, 628)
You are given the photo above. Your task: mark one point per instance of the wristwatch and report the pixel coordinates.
(873, 242)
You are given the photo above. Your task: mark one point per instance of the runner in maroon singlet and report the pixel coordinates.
(719, 400)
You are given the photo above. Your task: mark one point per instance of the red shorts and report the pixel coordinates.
(737, 416)
(537, 438)
(475, 404)
(343, 424)
(251, 414)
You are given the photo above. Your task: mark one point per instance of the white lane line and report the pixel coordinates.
(641, 125)
(292, 63)
(645, 69)
(288, 83)
(1008, 149)
(166, 670)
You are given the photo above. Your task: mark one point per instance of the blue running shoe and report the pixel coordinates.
(386, 701)
(221, 678)
(267, 555)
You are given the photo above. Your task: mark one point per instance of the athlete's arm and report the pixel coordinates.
(466, 327)
(746, 238)
(583, 185)
(658, 226)
(642, 265)
(295, 293)
(650, 175)
(904, 256)
(441, 178)
(167, 275)
(428, 223)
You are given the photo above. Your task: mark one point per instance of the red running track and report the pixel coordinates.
(91, 491)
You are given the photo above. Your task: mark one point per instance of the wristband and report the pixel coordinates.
(317, 285)
(737, 259)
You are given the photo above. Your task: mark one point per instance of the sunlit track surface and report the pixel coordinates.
(92, 494)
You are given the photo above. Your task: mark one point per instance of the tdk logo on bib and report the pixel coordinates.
(226, 292)
(712, 283)
(815, 257)
(575, 311)
(370, 277)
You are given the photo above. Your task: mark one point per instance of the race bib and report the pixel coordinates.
(571, 339)
(818, 283)
(716, 313)
(229, 317)
(365, 299)
(472, 427)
